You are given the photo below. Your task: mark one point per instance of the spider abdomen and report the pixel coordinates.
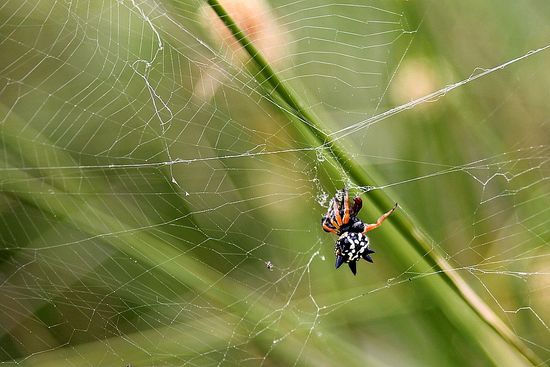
(351, 247)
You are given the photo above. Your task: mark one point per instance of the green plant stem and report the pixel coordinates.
(402, 222)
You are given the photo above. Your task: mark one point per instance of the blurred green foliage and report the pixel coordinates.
(137, 217)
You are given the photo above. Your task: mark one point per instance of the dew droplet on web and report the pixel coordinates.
(320, 153)
(322, 199)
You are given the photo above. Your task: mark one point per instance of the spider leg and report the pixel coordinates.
(337, 216)
(326, 220)
(328, 229)
(345, 220)
(370, 227)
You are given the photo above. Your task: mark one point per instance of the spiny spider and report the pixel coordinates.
(341, 219)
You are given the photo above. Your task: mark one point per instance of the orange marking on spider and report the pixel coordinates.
(346, 207)
(336, 210)
(328, 229)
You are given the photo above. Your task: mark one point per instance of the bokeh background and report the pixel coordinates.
(148, 178)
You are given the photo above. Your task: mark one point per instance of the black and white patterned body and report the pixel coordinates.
(350, 248)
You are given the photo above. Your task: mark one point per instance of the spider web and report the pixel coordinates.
(159, 207)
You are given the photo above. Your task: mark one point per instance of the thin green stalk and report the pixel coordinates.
(402, 222)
